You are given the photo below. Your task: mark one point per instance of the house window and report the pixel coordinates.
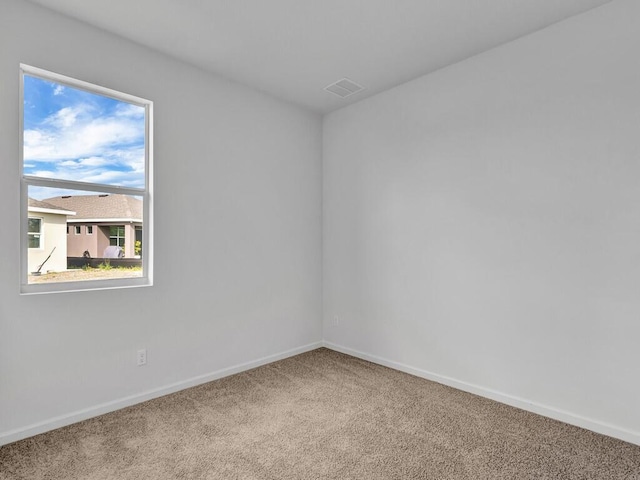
(116, 236)
(34, 234)
(86, 150)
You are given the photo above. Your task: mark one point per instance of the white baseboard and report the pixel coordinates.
(84, 414)
(544, 410)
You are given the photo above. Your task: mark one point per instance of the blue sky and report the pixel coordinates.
(71, 134)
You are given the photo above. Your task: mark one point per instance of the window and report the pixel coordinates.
(86, 156)
(116, 236)
(35, 232)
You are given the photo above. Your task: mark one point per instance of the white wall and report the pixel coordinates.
(237, 224)
(482, 224)
(480, 227)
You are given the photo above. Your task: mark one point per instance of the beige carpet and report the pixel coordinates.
(320, 415)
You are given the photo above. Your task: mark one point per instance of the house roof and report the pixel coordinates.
(46, 207)
(102, 207)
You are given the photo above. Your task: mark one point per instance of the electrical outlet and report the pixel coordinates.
(142, 357)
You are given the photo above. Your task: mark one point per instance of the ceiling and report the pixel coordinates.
(292, 49)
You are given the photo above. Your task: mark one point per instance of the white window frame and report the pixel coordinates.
(89, 229)
(77, 229)
(146, 193)
(40, 233)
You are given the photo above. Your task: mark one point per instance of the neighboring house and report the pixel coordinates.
(47, 230)
(100, 221)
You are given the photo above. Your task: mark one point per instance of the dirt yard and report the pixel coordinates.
(81, 275)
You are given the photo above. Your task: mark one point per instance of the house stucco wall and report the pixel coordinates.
(54, 234)
(77, 244)
(102, 240)
(129, 240)
(98, 241)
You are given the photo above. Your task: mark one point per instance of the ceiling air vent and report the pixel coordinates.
(344, 88)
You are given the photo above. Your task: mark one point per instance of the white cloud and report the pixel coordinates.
(58, 90)
(68, 163)
(44, 173)
(78, 144)
(108, 176)
(87, 163)
(41, 193)
(73, 133)
(130, 110)
(35, 138)
(132, 158)
(93, 162)
(64, 118)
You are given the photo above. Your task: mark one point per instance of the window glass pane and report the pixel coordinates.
(34, 225)
(82, 257)
(34, 241)
(117, 236)
(72, 134)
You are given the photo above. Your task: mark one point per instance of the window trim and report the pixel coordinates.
(146, 193)
(77, 229)
(89, 229)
